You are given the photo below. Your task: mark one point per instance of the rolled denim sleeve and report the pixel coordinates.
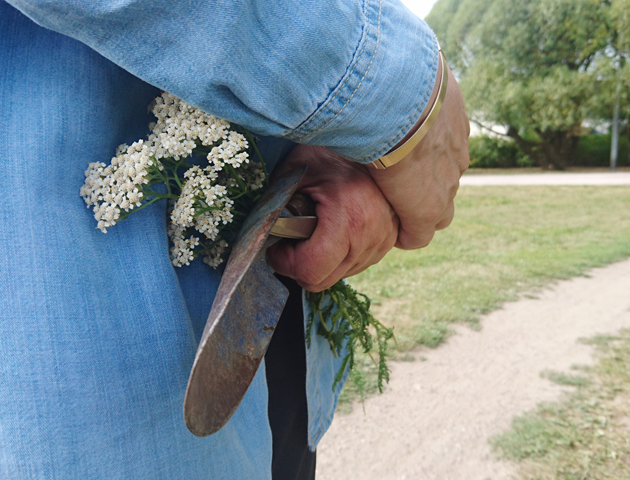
(352, 75)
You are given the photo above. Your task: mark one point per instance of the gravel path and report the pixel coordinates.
(601, 178)
(433, 421)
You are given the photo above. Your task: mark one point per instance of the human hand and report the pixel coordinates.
(422, 186)
(356, 226)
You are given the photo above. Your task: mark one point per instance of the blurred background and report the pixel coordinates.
(512, 360)
(546, 83)
(420, 7)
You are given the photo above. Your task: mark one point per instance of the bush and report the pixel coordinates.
(493, 152)
(594, 151)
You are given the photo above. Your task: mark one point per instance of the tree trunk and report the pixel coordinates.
(557, 148)
(614, 141)
(529, 148)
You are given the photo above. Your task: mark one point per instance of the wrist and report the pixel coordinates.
(427, 109)
(424, 123)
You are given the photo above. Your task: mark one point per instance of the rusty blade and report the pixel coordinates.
(244, 314)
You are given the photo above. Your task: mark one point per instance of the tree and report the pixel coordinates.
(527, 65)
(613, 68)
(621, 18)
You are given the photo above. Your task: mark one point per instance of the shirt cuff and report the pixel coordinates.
(353, 76)
(384, 90)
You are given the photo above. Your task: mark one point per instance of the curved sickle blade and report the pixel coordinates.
(244, 314)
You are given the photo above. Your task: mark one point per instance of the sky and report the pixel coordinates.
(420, 7)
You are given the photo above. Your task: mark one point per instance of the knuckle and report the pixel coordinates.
(451, 182)
(315, 288)
(357, 217)
(464, 162)
(425, 240)
(430, 215)
(308, 276)
(445, 222)
(408, 241)
(310, 288)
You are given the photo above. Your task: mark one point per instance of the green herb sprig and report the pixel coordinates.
(208, 206)
(346, 322)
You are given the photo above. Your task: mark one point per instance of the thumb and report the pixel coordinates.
(281, 257)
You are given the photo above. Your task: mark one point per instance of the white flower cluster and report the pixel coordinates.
(231, 151)
(253, 176)
(118, 186)
(213, 256)
(180, 124)
(203, 204)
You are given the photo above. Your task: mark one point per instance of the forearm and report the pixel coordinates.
(325, 72)
(422, 186)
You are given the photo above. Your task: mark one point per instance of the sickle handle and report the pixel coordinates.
(298, 220)
(301, 205)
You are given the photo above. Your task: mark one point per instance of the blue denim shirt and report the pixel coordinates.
(98, 332)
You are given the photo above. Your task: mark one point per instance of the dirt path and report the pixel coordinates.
(550, 178)
(434, 420)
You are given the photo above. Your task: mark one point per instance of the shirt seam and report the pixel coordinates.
(318, 414)
(347, 79)
(403, 130)
(378, 37)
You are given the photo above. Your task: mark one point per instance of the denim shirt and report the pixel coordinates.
(98, 332)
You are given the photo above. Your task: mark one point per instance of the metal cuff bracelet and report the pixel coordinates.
(401, 152)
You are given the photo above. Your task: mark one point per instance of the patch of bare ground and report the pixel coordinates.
(435, 418)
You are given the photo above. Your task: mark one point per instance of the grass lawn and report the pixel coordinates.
(504, 241)
(584, 436)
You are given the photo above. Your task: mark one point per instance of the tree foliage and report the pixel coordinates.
(614, 67)
(536, 66)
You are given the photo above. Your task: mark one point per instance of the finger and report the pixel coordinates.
(447, 217)
(343, 271)
(351, 259)
(436, 212)
(363, 265)
(311, 261)
(420, 238)
(307, 267)
(413, 240)
(359, 260)
(377, 253)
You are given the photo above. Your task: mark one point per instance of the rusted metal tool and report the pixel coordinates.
(246, 309)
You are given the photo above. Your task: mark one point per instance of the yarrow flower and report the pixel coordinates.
(204, 206)
(202, 198)
(206, 175)
(118, 187)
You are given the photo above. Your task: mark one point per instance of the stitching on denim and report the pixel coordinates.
(412, 119)
(306, 310)
(323, 426)
(318, 402)
(378, 38)
(340, 89)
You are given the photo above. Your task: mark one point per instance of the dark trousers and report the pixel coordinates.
(286, 377)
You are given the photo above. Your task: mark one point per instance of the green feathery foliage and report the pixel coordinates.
(347, 324)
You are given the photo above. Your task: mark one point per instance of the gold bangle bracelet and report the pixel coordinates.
(401, 152)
